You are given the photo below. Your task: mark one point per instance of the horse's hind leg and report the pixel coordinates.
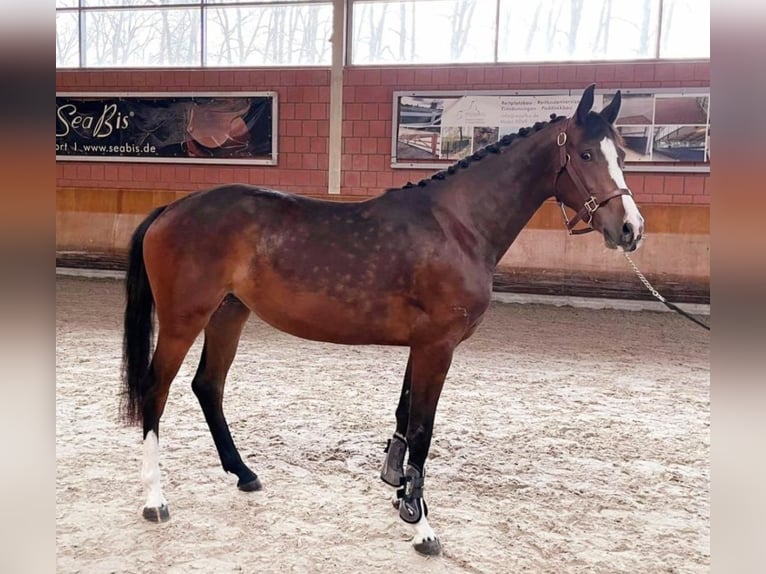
(393, 465)
(221, 339)
(172, 346)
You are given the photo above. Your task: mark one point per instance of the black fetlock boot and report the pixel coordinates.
(393, 466)
(412, 506)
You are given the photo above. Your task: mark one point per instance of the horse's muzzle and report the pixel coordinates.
(627, 238)
(630, 237)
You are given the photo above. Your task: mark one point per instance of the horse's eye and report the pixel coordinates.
(586, 155)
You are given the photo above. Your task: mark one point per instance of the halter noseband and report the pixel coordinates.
(592, 202)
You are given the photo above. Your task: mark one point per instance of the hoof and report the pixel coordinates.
(429, 547)
(157, 513)
(251, 486)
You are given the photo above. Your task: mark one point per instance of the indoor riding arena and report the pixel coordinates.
(350, 212)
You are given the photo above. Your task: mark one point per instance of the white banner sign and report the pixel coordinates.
(508, 112)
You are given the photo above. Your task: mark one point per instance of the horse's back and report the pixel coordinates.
(227, 212)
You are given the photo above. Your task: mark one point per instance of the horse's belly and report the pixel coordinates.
(352, 320)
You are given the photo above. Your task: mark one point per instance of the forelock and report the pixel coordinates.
(597, 128)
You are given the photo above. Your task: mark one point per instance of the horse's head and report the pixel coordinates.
(590, 179)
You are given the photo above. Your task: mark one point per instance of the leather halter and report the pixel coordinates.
(592, 201)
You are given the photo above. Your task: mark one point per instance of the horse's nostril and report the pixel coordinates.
(627, 233)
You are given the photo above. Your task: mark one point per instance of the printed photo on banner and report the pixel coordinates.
(419, 133)
(680, 128)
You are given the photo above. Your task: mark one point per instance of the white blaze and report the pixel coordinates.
(632, 215)
(150, 472)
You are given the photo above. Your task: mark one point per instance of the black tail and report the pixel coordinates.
(137, 338)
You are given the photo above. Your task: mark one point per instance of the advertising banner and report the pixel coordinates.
(666, 129)
(211, 128)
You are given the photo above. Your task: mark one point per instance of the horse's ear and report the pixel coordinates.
(586, 103)
(610, 112)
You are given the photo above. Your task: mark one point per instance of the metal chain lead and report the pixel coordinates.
(660, 298)
(643, 279)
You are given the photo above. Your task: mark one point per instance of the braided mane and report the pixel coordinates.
(478, 155)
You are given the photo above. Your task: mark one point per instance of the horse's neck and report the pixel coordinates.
(496, 196)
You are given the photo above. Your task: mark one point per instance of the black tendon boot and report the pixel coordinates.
(393, 466)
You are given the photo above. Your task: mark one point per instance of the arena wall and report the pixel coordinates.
(98, 204)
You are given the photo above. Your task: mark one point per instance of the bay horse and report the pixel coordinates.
(411, 267)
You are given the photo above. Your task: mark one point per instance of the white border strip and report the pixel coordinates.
(595, 302)
(500, 297)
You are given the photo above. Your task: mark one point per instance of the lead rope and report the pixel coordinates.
(659, 297)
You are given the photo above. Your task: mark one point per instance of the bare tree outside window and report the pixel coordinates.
(602, 38)
(685, 29)
(67, 40)
(413, 31)
(133, 3)
(575, 7)
(576, 30)
(156, 37)
(269, 35)
(461, 23)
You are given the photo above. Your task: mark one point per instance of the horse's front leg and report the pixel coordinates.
(429, 369)
(392, 472)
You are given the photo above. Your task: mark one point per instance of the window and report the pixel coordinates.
(416, 32)
(445, 31)
(685, 29)
(192, 33)
(262, 35)
(174, 33)
(67, 39)
(561, 30)
(141, 38)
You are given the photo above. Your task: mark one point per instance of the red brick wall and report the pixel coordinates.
(304, 97)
